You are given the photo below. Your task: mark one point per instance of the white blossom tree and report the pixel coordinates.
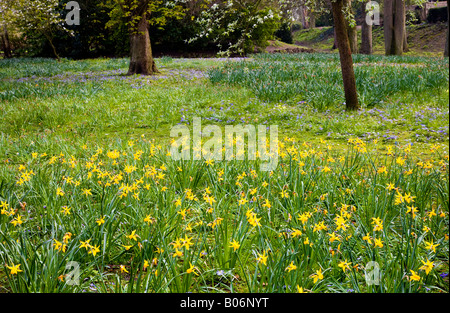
(237, 26)
(39, 16)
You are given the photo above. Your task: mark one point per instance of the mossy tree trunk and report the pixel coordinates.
(5, 42)
(366, 33)
(351, 30)
(141, 57)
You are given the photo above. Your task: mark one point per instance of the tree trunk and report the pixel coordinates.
(366, 33)
(423, 13)
(394, 26)
(448, 23)
(141, 58)
(405, 40)
(335, 40)
(400, 24)
(388, 25)
(348, 74)
(351, 31)
(5, 43)
(49, 37)
(312, 20)
(352, 38)
(305, 21)
(302, 17)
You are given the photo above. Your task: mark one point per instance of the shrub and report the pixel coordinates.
(284, 33)
(436, 15)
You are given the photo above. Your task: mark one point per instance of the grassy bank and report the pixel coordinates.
(423, 39)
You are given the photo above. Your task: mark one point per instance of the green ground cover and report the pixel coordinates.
(86, 176)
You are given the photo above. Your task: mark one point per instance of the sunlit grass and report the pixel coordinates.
(86, 176)
(315, 211)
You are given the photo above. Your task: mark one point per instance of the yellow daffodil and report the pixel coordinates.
(17, 220)
(430, 245)
(85, 244)
(414, 276)
(427, 266)
(317, 276)
(378, 243)
(291, 267)
(14, 269)
(262, 258)
(100, 221)
(235, 245)
(344, 265)
(192, 269)
(133, 235)
(94, 250)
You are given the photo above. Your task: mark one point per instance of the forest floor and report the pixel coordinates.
(423, 39)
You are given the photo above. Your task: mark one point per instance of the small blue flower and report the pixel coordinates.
(220, 273)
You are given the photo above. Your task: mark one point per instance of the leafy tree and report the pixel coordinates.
(238, 26)
(284, 33)
(91, 38)
(39, 16)
(138, 19)
(6, 18)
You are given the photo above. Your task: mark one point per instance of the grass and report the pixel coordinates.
(423, 39)
(85, 159)
(317, 80)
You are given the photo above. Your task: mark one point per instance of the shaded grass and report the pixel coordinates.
(316, 78)
(101, 105)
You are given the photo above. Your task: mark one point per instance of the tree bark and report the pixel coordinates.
(448, 23)
(49, 37)
(5, 43)
(400, 25)
(335, 40)
(141, 58)
(353, 38)
(351, 31)
(312, 20)
(302, 17)
(366, 33)
(405, 40)
(388, 25)
(394, 27)
(345, 54)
